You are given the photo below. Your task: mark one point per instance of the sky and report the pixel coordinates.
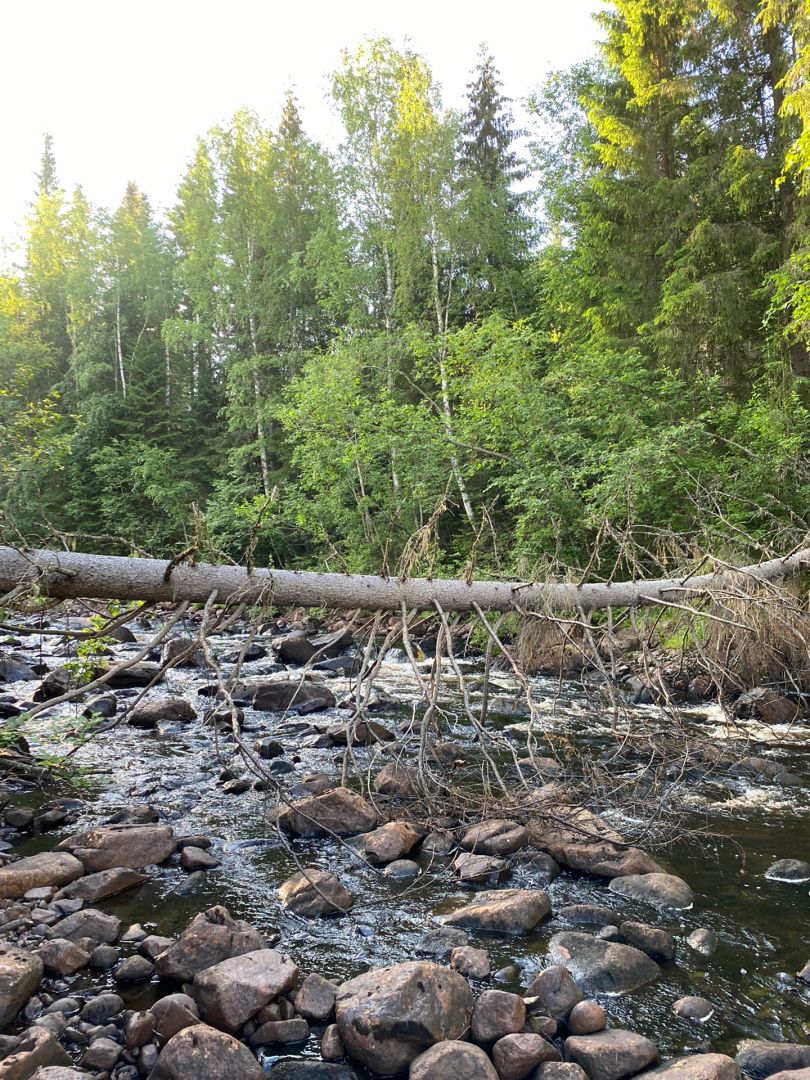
(125, 89)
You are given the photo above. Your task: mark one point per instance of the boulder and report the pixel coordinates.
(580, 840)
(230, 993)
(395, 779)
(469, 962)
(312, 1070)
(63, 957)
(141, 673)
(766, 705)
(20, 975)
(516, 1055)
(703, 941)
(496, 1014)
(700, 1067)
(173, 1013)
(499, 837)
(761, 1059)
(35, 1049)
(479, 869)
(660, 890)
(183, 652)
(87, 923)
(54, 868)
(390, 842)
(602, 966)
(588, 915)
(110, 846)
(166, 710)
(211, 937)
(507, 911)
(557, 992)
(286, 695)
(59, 1072)
(281, 1031)
(315, 1000)
(451, 1060)
(559, 1070)
(389, 1016)
(312, 893)
(650, 939)
(693, 1008)
(194, 858)
(204, 1053)
(339, 811)
(611, 1055)
(105, 883)
(586, 1018)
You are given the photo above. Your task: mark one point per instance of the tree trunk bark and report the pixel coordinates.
(66, 575)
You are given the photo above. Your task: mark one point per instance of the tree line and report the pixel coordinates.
(449, 341)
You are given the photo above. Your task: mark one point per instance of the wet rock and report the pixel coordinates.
(142, 673)
(767, 706)
(293, 695)
(230, 993)
(693, 1008)
(87, 923)
(139, 1029)
(440, 943)
(359, 732)
(702, 941)
(332, 1046)
(34, 1049)
(507, 911)
(13, 670)
(204, 1053)
(499, 837)
(194, 858)
(59, 1072)
(588, 915)
(338, 811)
(390, 842)
(52, 868)
(267, 749)
(105, 883)
(699, 1067)
(134, 969)
(479, 869)
(538, 866)
(388, 1016)
(496, 1014)
(312, 1070)
(281, 1031)
(110, 846)
(101, 1054)
(192, 884)
(167, 710)
(18, 817)
(293, 648)
(792, 1074)
(395, 779)
(804, 974)
(792, 871)
(439, 844)
(559, 1070)
(312, 893)
(556, 991)
(183, 652)
(650, 939)
(602, 966)
(103, 1007)
(402, 870)
(660, 890)
(469, 962)
(582, 841)
(20, 975)
(452, 1060)
(761, 1059)
(211, 937)
(611, 1055)
(173, 1013)
(153, 945)
(515, 1056)
(63, 956)
(315, 1000)
(586, 1018)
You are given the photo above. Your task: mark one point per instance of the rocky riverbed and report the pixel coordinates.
(169, 919)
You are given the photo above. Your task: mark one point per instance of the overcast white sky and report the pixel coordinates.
(126, 88)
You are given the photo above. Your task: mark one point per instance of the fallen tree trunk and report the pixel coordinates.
(69, 575)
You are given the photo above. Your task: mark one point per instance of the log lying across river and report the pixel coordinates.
(69, 575)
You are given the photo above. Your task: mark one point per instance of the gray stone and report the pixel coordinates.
(761, 1059)
(203, 1053)
(88, 923)
(20, 975)
(452, 1060)
(602, 966)
(556, 991)
(693, 1008)
(103, 884)
(702, 941)
(791, 871)
(660, 890)
(611, 1055)
(507, 911)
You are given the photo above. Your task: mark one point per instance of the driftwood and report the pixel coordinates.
(68, 575)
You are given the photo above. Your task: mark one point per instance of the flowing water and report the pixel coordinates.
(732, 830)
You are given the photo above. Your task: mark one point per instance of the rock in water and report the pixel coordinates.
(660, 890)
(699, 1067)
(211, 937)
(312, 892)
(34, 1049)
(230, 993)
(792, 871)
(203, 1053)
(452, 1061)
(110, 846)
(611, 1055)
(48, 868)
(339, 811)
(761, 1059)
(388, 1016)
(20, 975)
(105, 883)
(507, 911)
(557, 992)
(602, 966)
(500, 837)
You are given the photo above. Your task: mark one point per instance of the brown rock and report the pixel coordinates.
(452, 1061)
(35, 1049)
(582, 841)
(315, 999)
(499, 837)
(194, 858)
(132, 846)
(63, 956)
(507, 911)
(173, 1013)
(660, 890)
(602, 966)
(230, 993)
(586, 1018)
(338, 811)
(48, 868)
(388, 1016)
(496, 1014)
(168, 709)
(312, 893)
(87, 923)
(469, 962)
(390, 842)
(706, 1067)
(20, 975)
(760, 1059)
(101, 885)
(332, 1046)
(203, 1053)
(210, 937)
(280, 1031)
(559, 1070)
(611, 1055)
(515, 1056)
(650, 939)
(479, 869)
(556, 991)
(394, 779)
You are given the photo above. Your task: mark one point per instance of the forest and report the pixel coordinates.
(451, 344)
